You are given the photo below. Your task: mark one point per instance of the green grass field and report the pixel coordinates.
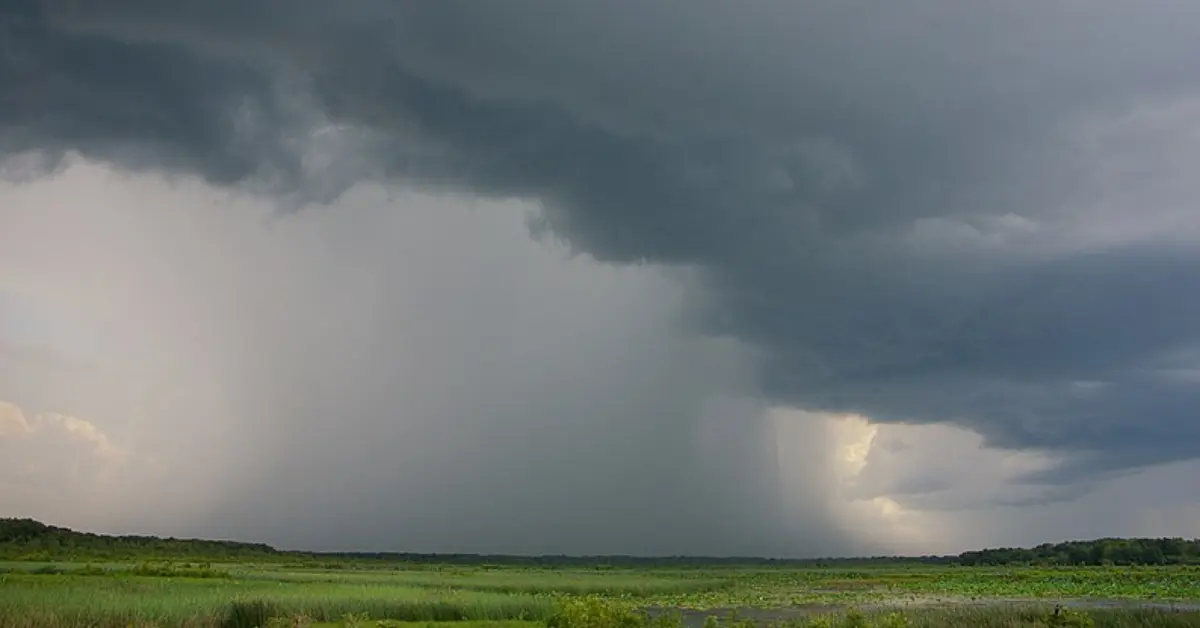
(237, 595)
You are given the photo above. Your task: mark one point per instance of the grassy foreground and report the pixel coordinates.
(242, 595)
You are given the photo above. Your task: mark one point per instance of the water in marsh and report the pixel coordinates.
(694, 618)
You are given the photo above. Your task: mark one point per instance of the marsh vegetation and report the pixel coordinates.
(103, 582)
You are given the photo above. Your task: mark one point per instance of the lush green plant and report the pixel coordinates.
(595, 612)
(355, 620)
(855, 619)
(250, 614)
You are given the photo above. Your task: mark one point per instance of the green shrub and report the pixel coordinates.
(595, 612)
(855, 619)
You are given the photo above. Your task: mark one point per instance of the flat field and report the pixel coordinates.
(367, 593)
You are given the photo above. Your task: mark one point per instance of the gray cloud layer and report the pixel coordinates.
(921, 212)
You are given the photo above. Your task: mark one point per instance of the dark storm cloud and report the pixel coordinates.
(139, 104)
(923, 211)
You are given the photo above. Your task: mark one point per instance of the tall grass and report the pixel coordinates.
(69, 602)
(242, 596)
(515, 582)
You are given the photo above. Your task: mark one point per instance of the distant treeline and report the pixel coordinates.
(27, 539)
(1168, 551)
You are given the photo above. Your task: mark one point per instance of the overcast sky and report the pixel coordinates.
(668, 277)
